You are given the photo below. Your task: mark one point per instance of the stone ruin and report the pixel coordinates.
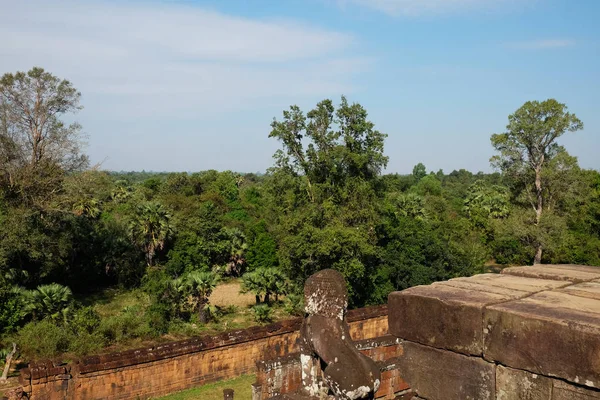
(331, 363)
(528, 333)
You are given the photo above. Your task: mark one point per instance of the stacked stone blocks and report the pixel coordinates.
(527, 333)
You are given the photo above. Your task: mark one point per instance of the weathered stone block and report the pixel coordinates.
(449, 315)
(552, 333)
(442, 375)
(569, 273)
(513, 384)
(564, 391)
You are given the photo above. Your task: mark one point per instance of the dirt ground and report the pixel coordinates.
(228, 294)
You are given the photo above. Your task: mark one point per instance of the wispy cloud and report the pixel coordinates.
(425, 7)
(542, 44)
(152, 58)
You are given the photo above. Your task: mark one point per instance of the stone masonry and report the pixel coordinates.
(529, 333)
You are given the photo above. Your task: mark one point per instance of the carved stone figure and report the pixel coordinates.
(330, 361)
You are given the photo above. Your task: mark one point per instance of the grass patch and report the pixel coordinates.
(214, 391)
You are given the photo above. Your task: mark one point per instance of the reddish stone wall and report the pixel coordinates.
(170, 367)
(284, 374)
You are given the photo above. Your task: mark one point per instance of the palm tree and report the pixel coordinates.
(48, 301)
(121, 191)
(237, 252)
(150, 229)
(88, 207)
(265, 281)
(200, 286)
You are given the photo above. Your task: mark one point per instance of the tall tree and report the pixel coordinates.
(529, 145)
(35, 144)
(324, 190)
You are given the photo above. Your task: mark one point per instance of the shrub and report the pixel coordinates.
(131, 323)
(85, 320)
(159, 315)
(85, 343)
(294, 304)
(42, 339)
(262, 313)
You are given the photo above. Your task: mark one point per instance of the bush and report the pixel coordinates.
(11, 310)
(159, 315)
(85, 320)
(43, 339)
(131, 323)
(84, 343)
(294, 304)
(262, 313)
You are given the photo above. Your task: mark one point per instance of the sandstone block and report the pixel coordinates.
(552, 333)
(442, 375)
(513, 384)
(564, 391)
(449, 315)
(569, 273)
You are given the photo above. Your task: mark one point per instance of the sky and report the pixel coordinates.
(194, 85)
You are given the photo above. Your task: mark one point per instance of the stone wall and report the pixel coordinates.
(283, 375)
(170, 367)
(528, 333)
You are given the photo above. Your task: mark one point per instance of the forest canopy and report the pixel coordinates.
(68, 231)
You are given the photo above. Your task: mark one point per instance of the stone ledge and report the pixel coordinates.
(543, 319)
(448, 315)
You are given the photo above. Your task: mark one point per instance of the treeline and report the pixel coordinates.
(67, 230)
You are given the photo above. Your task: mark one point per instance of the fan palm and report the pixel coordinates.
(199, 286)
(150, 229)
(48, 301)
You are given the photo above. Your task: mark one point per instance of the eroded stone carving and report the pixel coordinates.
(331, 364)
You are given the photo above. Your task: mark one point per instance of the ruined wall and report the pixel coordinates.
(175, 366)
(283, 375)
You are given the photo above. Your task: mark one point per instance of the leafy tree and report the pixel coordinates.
(36, 146)
(324, 190)
(262, 249)
(419, 172)
(528, 146)
(485, 201)
(150, 229)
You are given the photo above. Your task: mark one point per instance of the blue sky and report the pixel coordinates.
(193, 85)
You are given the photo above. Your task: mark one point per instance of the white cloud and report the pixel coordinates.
(151, 58)
(423, 7)
(543, 44)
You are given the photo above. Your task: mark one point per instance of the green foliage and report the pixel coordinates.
(262, 250)
(419, 172)
(264, 282)
(294, 304)
(150, 229)
(130, 323)
(536, 165)
(12, 310)
(42, 340)
(263, 313)
(85, 320)
(51, 301)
